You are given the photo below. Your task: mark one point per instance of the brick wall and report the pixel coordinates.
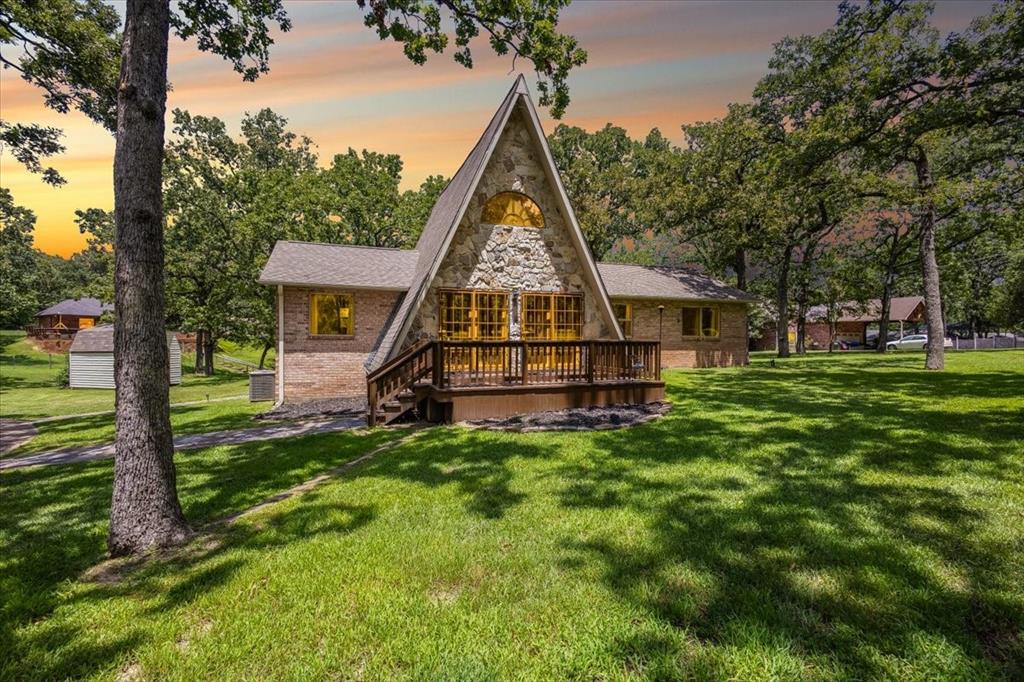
(729, 349)
(816, 335)
(324, 367)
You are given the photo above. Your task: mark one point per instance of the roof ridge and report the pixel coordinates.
(348, 246)
(451, 205)
(511, 93)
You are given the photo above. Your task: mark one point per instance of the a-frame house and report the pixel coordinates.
(500, 309)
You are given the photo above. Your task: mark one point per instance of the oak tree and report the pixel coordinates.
(145, 511)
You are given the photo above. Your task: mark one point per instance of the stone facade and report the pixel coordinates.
(729, 349)
(327, 366)
(513, 259)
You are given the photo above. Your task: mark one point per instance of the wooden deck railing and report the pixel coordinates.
(51, 332)
(463, 364)
(385, 383)
(522, 363)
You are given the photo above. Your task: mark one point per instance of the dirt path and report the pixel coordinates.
(88, 453)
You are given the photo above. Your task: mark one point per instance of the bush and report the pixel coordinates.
(63, 379)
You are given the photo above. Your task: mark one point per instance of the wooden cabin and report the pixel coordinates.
(67, 317)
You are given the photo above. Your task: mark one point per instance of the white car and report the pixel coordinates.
(914, 342)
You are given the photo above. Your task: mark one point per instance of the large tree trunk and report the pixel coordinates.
(883, 317)
(740, 265)
(210, 348)
(782, 303)
(801, 328)
(200, 367)
(935, 358)
(144, 511)
(886, 301)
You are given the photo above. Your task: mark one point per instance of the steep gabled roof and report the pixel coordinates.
(640, 281)
(337, 265)
(83, 307)
(900, 308)
(450, 208)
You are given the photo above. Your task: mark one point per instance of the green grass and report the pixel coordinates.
(246, 352)
(213, 416)
(28, 384)
(829, 518)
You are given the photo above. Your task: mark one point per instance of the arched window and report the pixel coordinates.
(512, 208)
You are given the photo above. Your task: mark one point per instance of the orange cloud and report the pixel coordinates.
(652, 64)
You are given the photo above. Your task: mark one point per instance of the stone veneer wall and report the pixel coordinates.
(513, 259)
(730, 348)
(330, 366)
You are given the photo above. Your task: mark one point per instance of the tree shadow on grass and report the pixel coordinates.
(479, 464)
(10, 363)
(219, 378)
(53, 524)
(824, 533)
(99, 429)
(796, 509)
(209, 487)
(886, 419)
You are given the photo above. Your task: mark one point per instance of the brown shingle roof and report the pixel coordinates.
(83, 307)
(337, 265)
(640, 281)
(900, 308)
(94, 340)
(99, 339)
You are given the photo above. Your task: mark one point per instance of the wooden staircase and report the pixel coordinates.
(389, 390)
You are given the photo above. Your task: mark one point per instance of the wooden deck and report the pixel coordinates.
(51, 332)
(457, 380)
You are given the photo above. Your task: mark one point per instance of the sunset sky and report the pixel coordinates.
(652, 64)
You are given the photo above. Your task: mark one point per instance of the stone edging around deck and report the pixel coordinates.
(597, 418)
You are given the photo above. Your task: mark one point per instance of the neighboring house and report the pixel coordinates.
(855, 318)
(906, 315)
(68, 316)
(91, 358)
(501, 261)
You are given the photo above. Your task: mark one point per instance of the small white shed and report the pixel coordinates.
(91, 358)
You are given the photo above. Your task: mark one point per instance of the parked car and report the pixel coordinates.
(914, 342)
(872, 339)
(909, 342)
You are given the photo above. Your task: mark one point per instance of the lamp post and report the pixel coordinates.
(661, 314)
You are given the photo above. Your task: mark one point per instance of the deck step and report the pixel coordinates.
(395, 408)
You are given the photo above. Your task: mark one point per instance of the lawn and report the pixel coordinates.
(201, 418)
(28, 387)
(28, 391)
(846, 517)
(248, 353)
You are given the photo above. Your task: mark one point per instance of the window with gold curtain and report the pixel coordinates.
(624, 314)
(552, 316)
(331, 315)
(701, 322)
(512, 208)
(468, 315)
